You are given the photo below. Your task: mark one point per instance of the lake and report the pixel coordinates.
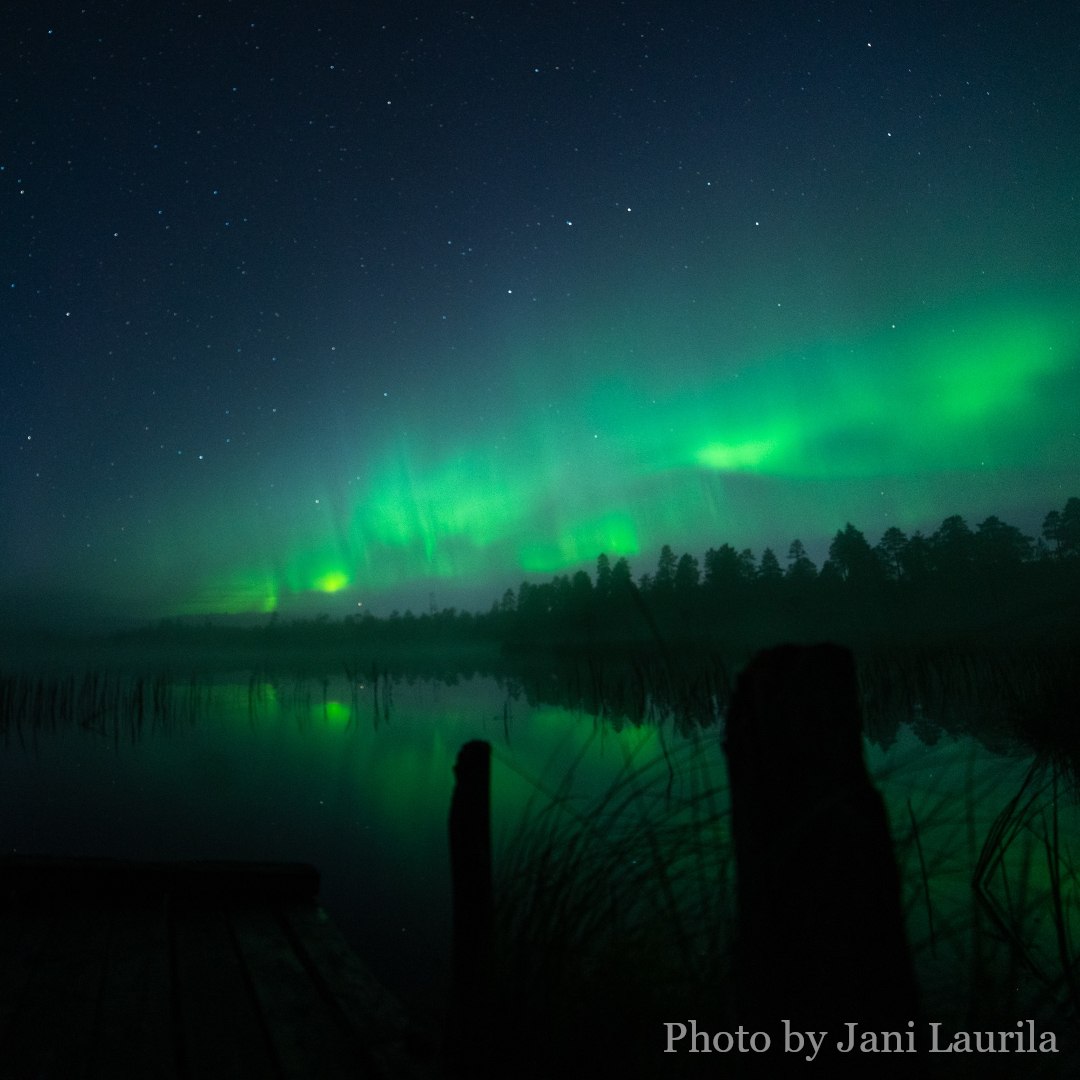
(354, 773)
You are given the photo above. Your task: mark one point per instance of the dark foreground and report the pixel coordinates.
(118, 970)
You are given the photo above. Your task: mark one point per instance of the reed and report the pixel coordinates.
(616, 916)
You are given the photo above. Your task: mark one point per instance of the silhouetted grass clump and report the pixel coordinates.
(619, 916)
(614, 917)
(111, 705)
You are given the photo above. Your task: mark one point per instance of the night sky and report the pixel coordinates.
(313, 305)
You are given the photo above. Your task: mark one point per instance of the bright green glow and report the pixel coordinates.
(729, 458)
(583, 541)
(902, 402)
(332, 582)
(438, 519)
(995, 367)
(335, 712)
(626, 451)
(465, 497)
(318, 567)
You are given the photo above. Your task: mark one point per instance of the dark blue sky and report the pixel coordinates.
(307, 304)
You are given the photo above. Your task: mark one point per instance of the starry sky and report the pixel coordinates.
(316, 305)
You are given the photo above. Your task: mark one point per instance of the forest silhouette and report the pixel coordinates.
(991, 580)
(991, 583)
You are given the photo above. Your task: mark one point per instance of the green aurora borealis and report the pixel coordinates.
(898, 424)
(355, 308)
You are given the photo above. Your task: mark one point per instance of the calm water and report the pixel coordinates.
(358, 782)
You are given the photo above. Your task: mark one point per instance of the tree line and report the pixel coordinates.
(957, 578)
(957, 582)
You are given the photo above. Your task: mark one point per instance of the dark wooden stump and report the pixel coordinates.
(470, 873)
(821, 939)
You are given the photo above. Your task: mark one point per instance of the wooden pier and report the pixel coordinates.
(186, 971)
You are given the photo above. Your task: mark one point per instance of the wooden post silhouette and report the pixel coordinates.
(821, 939)
(470, 873)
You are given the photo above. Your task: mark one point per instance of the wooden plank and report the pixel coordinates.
(23, 933)
(134, 1035)
(397, 1049)
(236, 974)
(49, 1032)
(309, 1041)
(222, 1033)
